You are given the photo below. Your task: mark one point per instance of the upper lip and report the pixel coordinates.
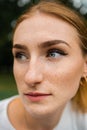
(38, 94)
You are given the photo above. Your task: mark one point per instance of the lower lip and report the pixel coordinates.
(36, 98)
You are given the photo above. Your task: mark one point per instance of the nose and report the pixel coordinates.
(34, 75)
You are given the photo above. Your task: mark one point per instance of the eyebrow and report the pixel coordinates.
(52, 43)
(45, 44)
(19, 46)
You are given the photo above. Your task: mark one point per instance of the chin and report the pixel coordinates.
(38, 110)
(41, 111)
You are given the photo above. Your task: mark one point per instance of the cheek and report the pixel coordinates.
(18, 73)
(65, 78)
(19, 69)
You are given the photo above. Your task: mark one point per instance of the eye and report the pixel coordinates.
(20, 56)
(55, 53)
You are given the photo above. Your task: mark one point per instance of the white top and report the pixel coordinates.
(69, 120)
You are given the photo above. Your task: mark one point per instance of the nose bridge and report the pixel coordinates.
(34, 71)
(35, 65)
(33, 68)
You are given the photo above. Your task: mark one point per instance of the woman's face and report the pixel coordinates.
(48, 63)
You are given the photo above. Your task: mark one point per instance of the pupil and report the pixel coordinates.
(52, 54)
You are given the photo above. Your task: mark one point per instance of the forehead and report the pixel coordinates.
(44, 26)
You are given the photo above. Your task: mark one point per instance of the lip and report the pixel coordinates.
(36, 96)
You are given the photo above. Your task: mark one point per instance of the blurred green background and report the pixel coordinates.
(9, 12)
(7, 85)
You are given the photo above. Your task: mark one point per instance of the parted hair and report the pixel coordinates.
(59, 10)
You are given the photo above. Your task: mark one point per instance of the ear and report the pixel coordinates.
(85, 67)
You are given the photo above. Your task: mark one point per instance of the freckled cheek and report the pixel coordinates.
(19, 72)
(19, 78)
(64, 79)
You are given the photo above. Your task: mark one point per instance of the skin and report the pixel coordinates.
(54, 69)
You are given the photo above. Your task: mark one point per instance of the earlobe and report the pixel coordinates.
(85, 68)
(83, 81)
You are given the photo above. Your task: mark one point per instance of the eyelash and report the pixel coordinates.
(57, 51)
(20, 56)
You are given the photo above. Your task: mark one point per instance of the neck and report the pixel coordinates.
(47, 122)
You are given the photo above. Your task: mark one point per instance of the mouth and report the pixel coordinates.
(36, 96)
